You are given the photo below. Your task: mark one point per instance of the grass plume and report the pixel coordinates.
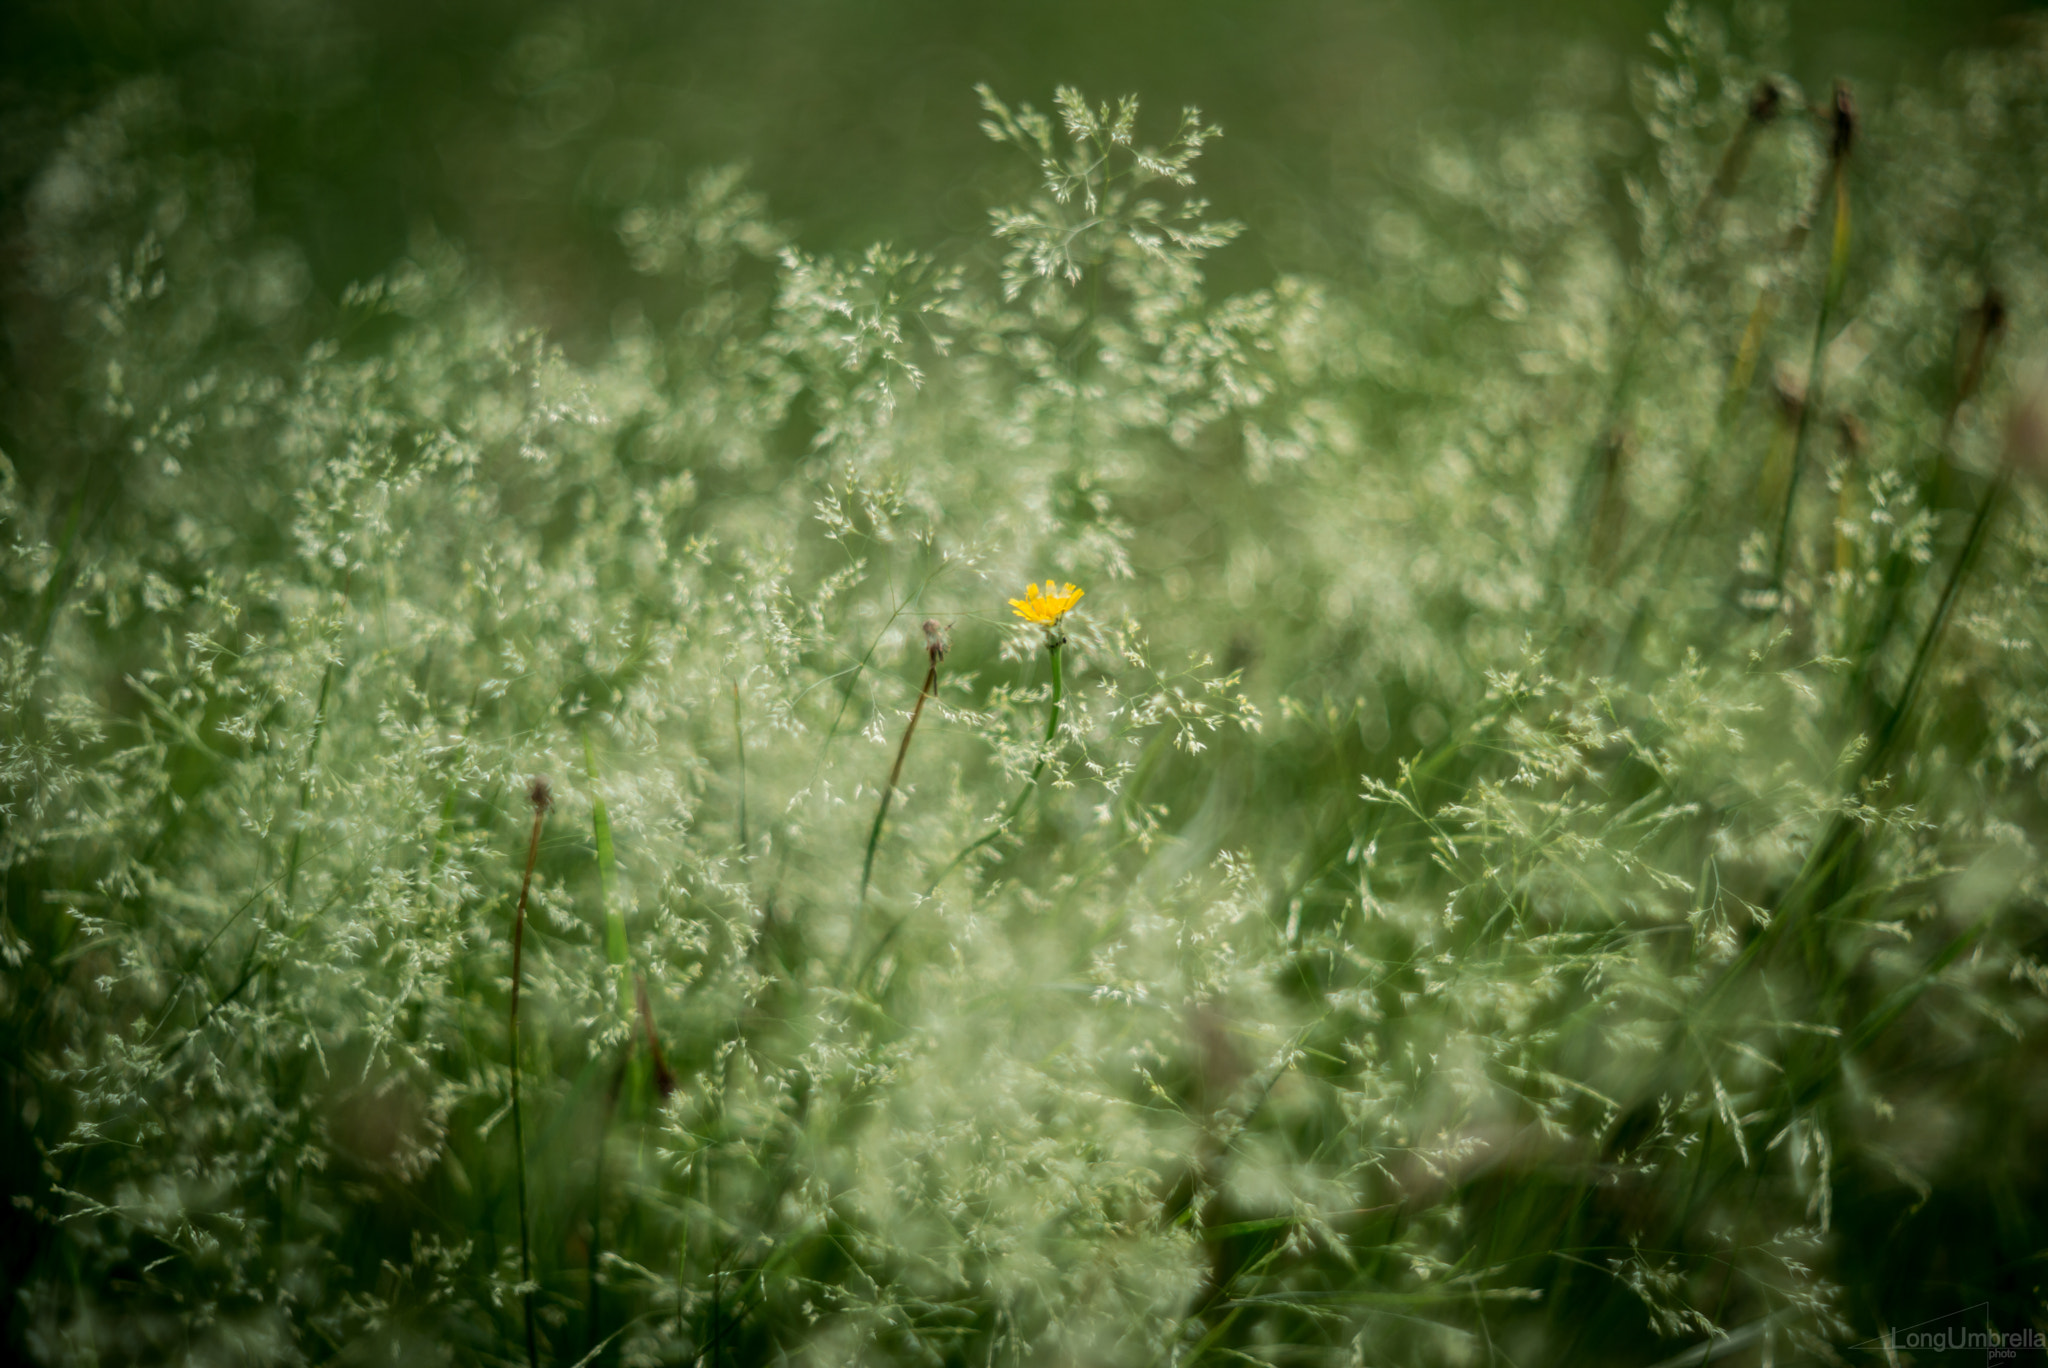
(1408, 910)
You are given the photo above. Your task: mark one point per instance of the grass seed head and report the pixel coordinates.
(1764, 104)
(1843, 112)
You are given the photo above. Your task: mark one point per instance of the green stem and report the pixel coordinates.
(1973, 544)
(1678, 532)
(1597, 485)
(739, 737)
(1052, 727)
(53, 590)
(1839, 840)
(595, 1254)
(291, 864)
(1984, 327)
(540, 814)
(615, 948)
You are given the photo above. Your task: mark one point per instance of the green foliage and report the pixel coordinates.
(1568, 926)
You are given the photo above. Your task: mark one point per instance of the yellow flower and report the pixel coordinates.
(1046, 607)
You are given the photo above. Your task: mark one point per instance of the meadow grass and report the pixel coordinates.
(1525, 854)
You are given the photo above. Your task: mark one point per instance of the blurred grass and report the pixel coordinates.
(522, 133)
(521, 129)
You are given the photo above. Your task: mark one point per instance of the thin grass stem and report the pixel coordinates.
(1975, 345)
(1830, 300)
(542, 799)
(1966, 558)
(739, 742)
(1828, 854)
(1597, 495)
(925, 691)
(616, 950)
(935, 650)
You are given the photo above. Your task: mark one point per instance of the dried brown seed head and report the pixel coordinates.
(540, 795)
(1844, 115)
(1991, 312)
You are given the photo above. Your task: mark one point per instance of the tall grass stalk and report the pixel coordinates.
(1593, 529)
(1888, 734)
(627, 1074)
(618, 953)
(935, 651)
(1841, 144)
(1823, 867)
(1976, 344)
(739, 746)
(541, 799)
